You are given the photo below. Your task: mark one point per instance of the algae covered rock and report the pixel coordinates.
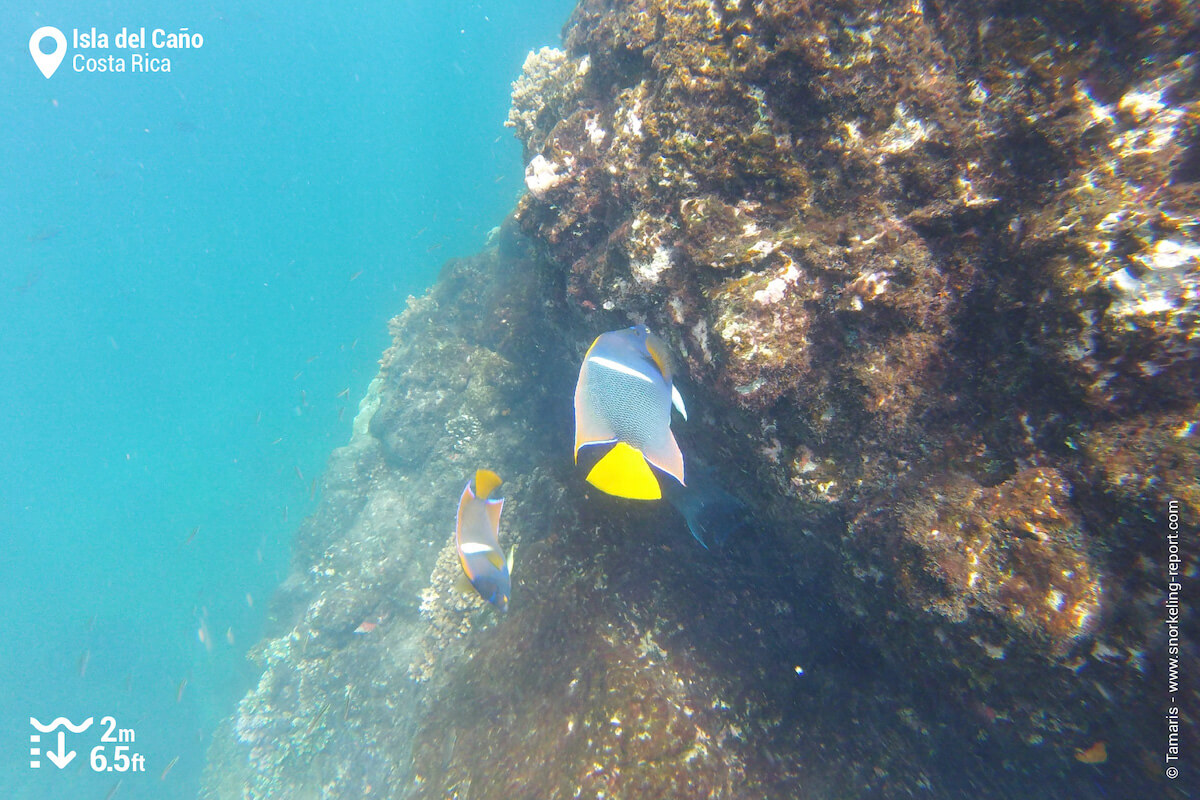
(925, 263)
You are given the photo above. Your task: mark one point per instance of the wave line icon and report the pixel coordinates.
(64, 722)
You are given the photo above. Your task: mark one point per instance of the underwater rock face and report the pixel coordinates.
(938, 264)
(931, 273)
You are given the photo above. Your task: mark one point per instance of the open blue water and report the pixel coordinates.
(193, 266)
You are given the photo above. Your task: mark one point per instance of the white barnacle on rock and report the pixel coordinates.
(1143, 103)
(1055, 600)
(1156, 122)
(675, 305)
(762, 249)
(993, 651)
(775, 291)
(595, 133)
(542, 175)
(1099, 113)
(1169, 254)
(1170, 275)
(777, 287)
(979, 93)
(905, 132)
(700, 334)
(628, 118)
(650, 271)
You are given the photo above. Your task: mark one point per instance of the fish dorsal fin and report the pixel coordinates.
(493, 508)
(486, 482)
(677, 401)
(624, 472)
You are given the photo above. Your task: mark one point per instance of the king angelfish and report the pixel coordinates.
(476, 537)
(623, 403)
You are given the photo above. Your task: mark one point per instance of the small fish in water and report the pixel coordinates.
(30, 279)
(312, 726)
(299, 474)
(169, 767)
(312, 489)
(84, 658)
(476, 536)
(45, 234)
(341, 413)
(249, 600)
(366, 626)
(204, 636)
(113, 791)
(285, 512)
(258, 418)
(191, 535)
(344, 392)
(1096, 754)
(180, 689)
(354, 277)
(623, 403)
(229, 635)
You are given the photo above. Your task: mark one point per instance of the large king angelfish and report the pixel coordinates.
(623, 410)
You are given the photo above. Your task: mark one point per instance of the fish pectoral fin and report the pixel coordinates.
(463, 584)
(677, 401)
(624, 472)
(512, 552)
(496, 559)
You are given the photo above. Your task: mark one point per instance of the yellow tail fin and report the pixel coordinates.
(624, 472)
(486, 482)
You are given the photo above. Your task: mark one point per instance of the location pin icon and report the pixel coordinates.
(47, 62)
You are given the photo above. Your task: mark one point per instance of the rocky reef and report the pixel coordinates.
(932, 271)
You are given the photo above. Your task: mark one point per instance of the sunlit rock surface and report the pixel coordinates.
(931, 270)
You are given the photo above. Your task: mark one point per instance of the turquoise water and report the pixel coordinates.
(195, 266)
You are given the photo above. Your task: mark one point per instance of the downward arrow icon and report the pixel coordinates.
(62, 757)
